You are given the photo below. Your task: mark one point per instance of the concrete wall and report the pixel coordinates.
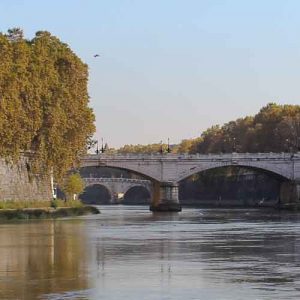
(16, 183)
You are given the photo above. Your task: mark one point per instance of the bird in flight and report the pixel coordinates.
(96, 55)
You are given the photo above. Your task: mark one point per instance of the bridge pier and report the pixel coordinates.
(290, 194)
(165, 197)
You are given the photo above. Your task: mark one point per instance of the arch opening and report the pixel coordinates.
(96, 194)
(200, 169)
(137, 195)
(240, 186)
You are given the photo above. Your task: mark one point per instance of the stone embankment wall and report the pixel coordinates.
(17, 183)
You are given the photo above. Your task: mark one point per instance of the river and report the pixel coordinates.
(127, 252)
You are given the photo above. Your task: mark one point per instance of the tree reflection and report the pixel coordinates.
(40, 257)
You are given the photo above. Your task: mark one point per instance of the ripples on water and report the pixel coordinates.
(129, 253)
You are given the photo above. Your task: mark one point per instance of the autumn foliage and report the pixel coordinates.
(43, 101)
(275, 128)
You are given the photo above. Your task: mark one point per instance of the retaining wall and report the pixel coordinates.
(18, 183)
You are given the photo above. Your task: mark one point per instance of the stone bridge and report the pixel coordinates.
(167, 170)
(118, 187)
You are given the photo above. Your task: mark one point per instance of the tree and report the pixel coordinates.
(275, 128)
(73, 185)
(187, 146)
(289, 129)
(15, 34)
(150, 148)
(43, 102)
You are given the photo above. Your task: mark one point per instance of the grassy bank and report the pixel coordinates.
(39, 204)
(10, 210)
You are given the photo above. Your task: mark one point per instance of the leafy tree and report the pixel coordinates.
(73, 185)
(275, 128)
(187, 146)
(150, 148)
(15, 34)
(289, 128)
(43, 102)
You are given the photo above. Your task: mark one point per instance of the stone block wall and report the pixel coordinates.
(17, 183)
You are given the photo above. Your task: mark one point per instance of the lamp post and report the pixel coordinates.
(102, 146)
(287, 145)
(97, 148)
(169, 149)
(161, 150)
(224, 145)
(292, 147)
(234, 145)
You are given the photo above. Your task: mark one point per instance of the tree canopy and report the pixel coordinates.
(73, 184)
(275, 128)
(43, 101)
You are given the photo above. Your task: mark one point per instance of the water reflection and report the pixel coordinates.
(40, 257)
(129, 253)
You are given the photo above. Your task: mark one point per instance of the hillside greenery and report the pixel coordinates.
(275, 128)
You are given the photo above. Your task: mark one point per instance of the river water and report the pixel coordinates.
(127, 252)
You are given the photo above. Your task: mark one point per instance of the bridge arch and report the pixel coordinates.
(137, 194)
(138, 185)
(232, 186)
(285, 175)
(119, 186)
(96, 193)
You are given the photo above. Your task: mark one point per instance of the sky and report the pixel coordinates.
(172, 68)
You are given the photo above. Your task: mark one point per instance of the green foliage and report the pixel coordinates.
(23, 204)
(150, 148)
(187, 146)
(43, 102)
(39, 204)
(55, 203)
(73, 184)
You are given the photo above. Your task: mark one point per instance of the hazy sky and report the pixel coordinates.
(172, 68)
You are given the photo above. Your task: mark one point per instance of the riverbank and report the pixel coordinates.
(46, 213)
